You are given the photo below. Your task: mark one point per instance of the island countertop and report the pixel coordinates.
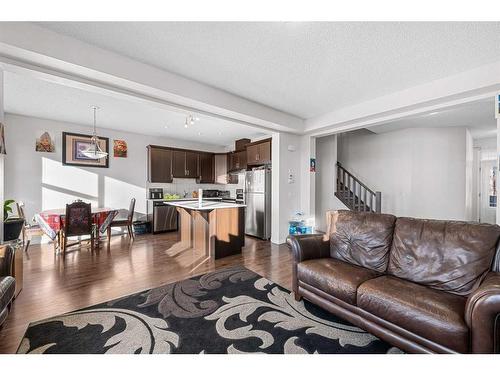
(205, 205)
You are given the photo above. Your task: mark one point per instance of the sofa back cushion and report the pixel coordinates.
(452, 256)
(361, 238)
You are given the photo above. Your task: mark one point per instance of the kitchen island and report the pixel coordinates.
(213, 227)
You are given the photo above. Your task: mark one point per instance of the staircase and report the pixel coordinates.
(354, 194)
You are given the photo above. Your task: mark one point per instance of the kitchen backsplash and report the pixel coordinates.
(180, 185)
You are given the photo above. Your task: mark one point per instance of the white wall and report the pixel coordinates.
(326, 180)
(486, 143)
(470, 199)
(476, 164)
(420, 172)
(285, 195)
(42, 182)
(306, 177)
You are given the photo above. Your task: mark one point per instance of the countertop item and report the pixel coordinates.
(206, 205)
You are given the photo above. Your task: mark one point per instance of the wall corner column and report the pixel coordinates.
(286, 183)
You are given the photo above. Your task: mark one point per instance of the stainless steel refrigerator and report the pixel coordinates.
(258, 201)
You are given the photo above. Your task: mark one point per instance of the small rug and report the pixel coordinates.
(232, 310)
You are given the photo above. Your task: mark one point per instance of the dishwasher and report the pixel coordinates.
(164, 218)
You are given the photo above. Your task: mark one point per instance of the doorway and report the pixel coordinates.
(488, 187)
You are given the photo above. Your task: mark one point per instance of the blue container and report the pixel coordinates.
(301, 228)
(142, 227)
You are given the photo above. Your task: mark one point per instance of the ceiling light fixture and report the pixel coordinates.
(94, 150)
(190, 120)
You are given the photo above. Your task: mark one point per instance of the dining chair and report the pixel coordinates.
(29, 229)
(77, 222)
(126, 222)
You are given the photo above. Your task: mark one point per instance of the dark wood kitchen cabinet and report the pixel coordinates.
(165, 163)
(185, 164)
(231, 178)
(259, 153)
(159, 165)
(179, 164)
(192, 164)
(207, 168)
(237, 160)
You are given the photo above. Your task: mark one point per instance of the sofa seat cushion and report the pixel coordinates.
(435, 315)
(334, 277)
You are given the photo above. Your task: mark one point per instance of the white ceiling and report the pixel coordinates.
(37, 98)
(478, 116)
(303, 68)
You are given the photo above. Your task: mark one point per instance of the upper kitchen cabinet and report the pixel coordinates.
(207, 168)
(185, 164)
(259, 153)
(179, 163)
(192, 164)
(159, 164)
(237, 160)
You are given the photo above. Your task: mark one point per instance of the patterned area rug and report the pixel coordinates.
(231, 310)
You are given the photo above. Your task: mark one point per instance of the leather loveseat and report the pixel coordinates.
(425, 286)
(7, 282)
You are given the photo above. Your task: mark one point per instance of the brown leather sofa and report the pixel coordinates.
(425, 286)
(7, 282)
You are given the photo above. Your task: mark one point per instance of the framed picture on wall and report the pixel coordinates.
(72, 146)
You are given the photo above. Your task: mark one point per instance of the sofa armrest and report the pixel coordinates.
(308, 246)
(305, 247)
(6, 260)
(482, 315)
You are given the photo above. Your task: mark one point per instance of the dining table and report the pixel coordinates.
(52, 221)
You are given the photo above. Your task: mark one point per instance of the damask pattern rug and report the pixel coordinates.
(232, 310)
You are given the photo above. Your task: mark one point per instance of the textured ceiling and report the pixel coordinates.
(302, 68)
(478, 116)
(37, 98)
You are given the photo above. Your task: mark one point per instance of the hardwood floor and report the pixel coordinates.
(54, 284)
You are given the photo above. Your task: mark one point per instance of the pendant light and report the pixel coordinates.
(94, 151)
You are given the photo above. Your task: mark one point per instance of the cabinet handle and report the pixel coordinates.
(257, 157)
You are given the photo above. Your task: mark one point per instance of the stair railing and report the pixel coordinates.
(355, 194)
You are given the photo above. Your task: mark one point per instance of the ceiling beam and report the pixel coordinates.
(63, 56)
(469, 86)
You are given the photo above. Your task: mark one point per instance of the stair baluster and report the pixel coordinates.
(355, 194)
